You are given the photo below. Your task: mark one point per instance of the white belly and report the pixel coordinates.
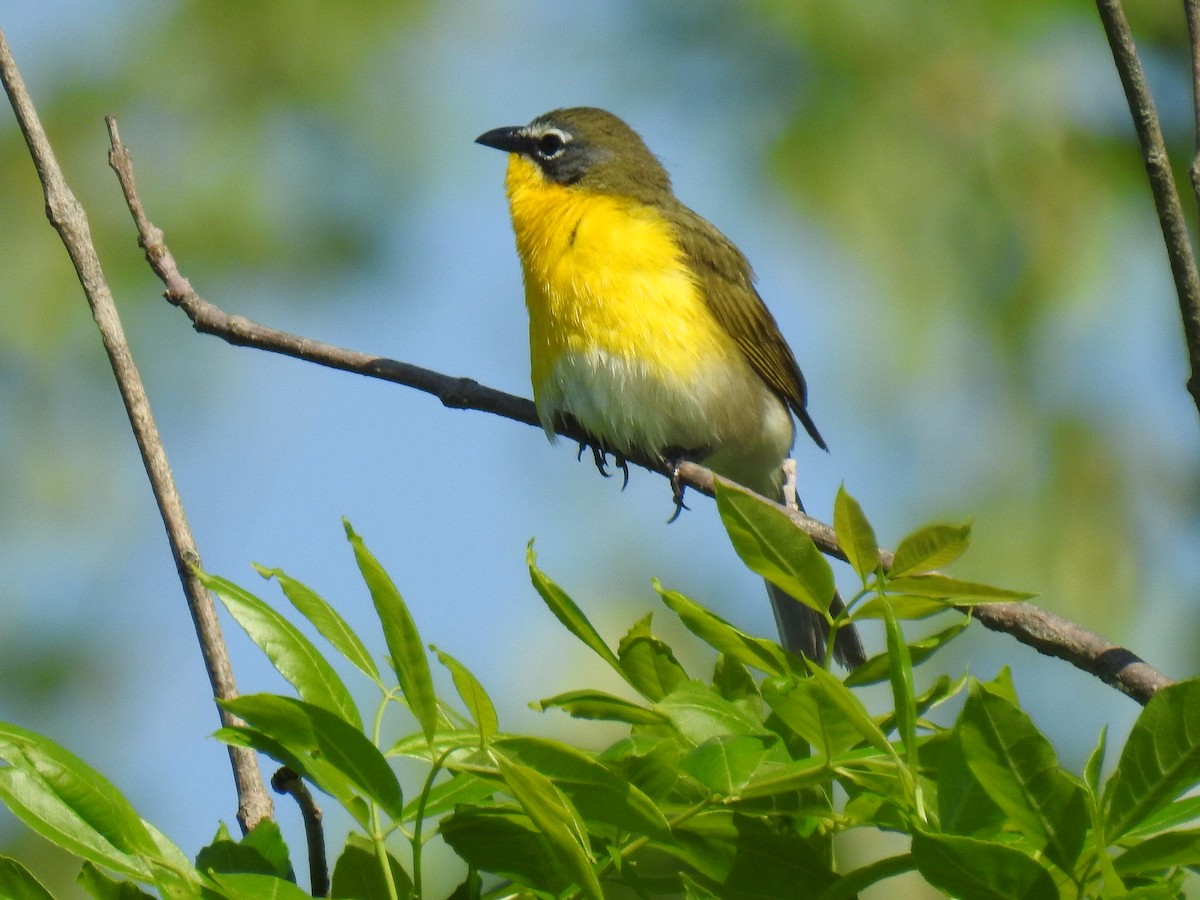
(722, 415)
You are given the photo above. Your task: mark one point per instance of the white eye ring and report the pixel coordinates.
(551, 144)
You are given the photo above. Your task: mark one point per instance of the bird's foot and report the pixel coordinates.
(677, 459)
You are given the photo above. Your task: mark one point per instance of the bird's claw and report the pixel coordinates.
(677, 489)
(600, 458)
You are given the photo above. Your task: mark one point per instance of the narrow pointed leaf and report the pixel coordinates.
(327, 620)
(855, 535)
(901, 679)
(598, 793)
(1163, 851)
(807, 709)
(770, 544)
(290, 652)
(260, 887)
(699, 713)
(930, 548)
(81, 788)
(28, 797)
(567, 612)
(589, 704)
(18, 882)
(1161, 758)
(557, 820)
(766, 656)
(404, 643)
(953, 590)
(474, 697)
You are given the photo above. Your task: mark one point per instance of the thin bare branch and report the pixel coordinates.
(67, 216)
(1192, 13)
(286, 781)
(1162, 180)
(1044, 631)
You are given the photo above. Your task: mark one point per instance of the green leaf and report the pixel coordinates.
(1017, 767)
(953, 590)
(403, 642)
(18, 883)
(747, 857)
(1095, 763)
(929, 548)
(506, 842)
(726, 763)
(964, 807)
(260, 887)
(770, 544)
(1181, 812)
(599, 794)
(314, 767)
(901, 679)
(97, 884)
(699, 713)
(327, 620)
(290, 652)
(357, 873)
(1163, 851)
(557, 819)
(760, 654)
(312, 733)
(648, 663)
(587, 704)
(474, 697)
(80, 788)
(733, 681)
(567, 612)
(877, 668)
(771, 781)
(971, 869)
(855, 535)
(808, 710)
(1160, 761)
(851, 707)
(31, 799)
(261, 851)
(905, 606)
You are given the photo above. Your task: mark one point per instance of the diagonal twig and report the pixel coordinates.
(1041, 630)
(67, 216)
(1158, 170)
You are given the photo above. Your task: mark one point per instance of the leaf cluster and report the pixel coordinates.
(729, 783)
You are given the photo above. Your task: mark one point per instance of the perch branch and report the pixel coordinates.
(1158, 170)
(1041, 630)
(67, 216)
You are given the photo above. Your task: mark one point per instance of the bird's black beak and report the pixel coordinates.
(511, 139)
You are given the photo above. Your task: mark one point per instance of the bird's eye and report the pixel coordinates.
(550, 144)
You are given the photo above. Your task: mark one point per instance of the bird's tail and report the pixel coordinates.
(804, 631)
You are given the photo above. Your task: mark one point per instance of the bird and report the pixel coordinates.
(645, 327)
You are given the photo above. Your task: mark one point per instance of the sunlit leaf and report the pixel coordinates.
(930, 548)
(403, 641)
(567, 612)
(290, 652)
(474, 697)
(855, 535)
(770, 544)
(648, 663)
(1160, 760)
(327, 620)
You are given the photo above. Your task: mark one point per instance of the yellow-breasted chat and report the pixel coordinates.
(644, 323)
